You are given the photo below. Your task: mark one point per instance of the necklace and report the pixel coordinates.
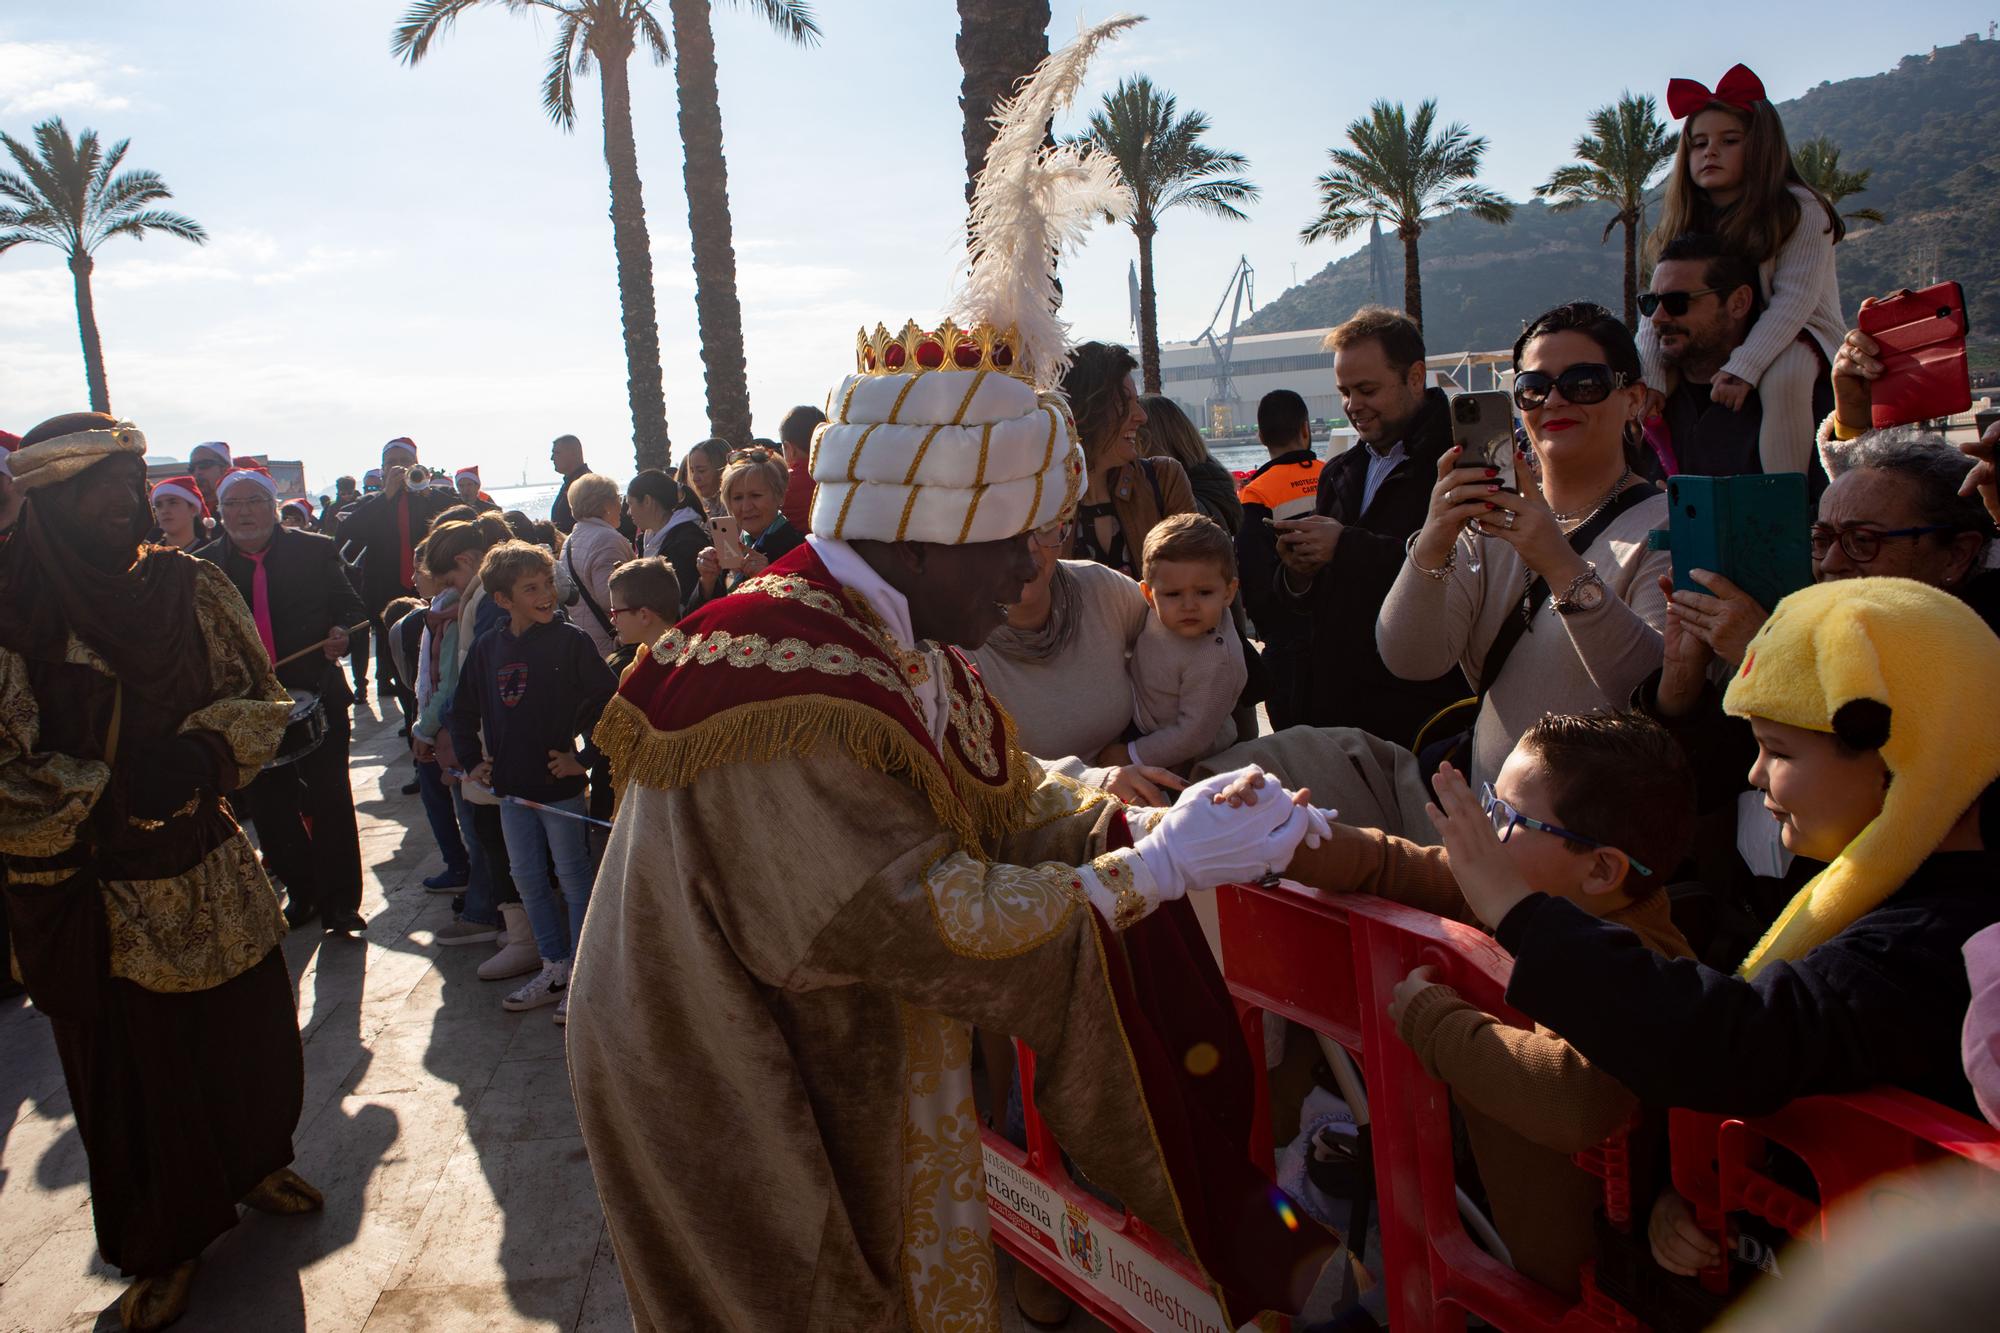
(1576, 520)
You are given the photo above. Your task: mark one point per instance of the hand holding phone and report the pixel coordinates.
(1482, 424)
(727, 532)
(1920, 341)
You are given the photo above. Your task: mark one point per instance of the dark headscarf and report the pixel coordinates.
(140, 620)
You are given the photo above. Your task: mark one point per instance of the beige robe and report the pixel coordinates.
(769, 1047)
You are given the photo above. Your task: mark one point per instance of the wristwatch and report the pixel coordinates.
(1585, 592)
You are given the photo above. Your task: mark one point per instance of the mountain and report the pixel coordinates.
(1926, 128)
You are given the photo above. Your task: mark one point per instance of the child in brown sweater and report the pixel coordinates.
(1598, 809)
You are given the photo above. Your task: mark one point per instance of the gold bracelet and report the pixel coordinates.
(1131, 905)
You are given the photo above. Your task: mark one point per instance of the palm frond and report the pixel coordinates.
(423, 23)
(173, 224)
(1217, 198)
(558, 87)
(648, 25)
(1864, 215)
(793, 19)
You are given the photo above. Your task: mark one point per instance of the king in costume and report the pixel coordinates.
(134, 693)
(831, 858)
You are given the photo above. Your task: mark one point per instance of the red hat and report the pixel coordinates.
(250, 474)
(464, 472)
(8, 444)
(214, 448)
(182, 488)
(302, 505)
(400, 442)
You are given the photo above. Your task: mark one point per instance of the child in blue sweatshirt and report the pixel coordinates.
(535, 686)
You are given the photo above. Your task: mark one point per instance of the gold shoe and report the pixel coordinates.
(156, 1300)
(284, 1191)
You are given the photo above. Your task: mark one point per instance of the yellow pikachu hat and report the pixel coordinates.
(1888, 664)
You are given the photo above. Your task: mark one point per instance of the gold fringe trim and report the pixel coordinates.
(795, 727)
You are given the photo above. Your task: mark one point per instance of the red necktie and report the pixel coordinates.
(405, 553)
(260, 602)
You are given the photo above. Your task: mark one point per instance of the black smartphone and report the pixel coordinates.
(1482, 425)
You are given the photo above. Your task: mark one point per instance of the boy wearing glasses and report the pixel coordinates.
(1596, 808)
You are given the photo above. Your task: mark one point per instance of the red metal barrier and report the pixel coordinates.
(1329, 964)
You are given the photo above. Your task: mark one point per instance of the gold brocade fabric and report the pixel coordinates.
(44, 797)
(250, 707)
(798, 993)
(197, 930)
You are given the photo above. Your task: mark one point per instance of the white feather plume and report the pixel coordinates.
(1033, 201)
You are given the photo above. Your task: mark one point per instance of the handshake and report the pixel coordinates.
(1233, 826)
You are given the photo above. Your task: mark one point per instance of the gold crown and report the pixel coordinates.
(946, 347)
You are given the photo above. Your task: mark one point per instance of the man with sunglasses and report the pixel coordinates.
(1702, 306)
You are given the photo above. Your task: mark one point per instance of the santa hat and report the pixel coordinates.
(400, 442)
(215, 449)
(372, 477)
(8, 444)
(182, 488)
(248, 475)
(47, 462)
(1883, 664)
(953, 433)
(303, 506)
(466, 473)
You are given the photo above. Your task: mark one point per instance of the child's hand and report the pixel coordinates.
(1731, 392)
(1420, 979)
(1491, 885)
(563, 764)
(1679, 1243)
(1111, 756)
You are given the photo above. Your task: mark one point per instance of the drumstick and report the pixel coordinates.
(313, 648)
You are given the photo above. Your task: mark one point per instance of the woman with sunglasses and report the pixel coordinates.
(1563, 557)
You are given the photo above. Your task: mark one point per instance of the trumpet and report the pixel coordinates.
(417, 477)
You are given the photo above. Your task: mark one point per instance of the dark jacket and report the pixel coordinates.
(1344, 683)
(681, 547)
(1881, 1002)
(373, 531)
(309, 593)
(774, 543)
(1712, 441)
(533, 693)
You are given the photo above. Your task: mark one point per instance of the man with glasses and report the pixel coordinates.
(208, 461)
(1702, 306)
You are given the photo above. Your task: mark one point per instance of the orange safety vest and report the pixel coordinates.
(1286, 489)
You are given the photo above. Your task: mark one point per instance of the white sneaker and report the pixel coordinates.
(548, 987)
(562, 1010)
(518, 956)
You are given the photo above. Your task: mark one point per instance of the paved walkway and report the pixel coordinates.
(440, 1127)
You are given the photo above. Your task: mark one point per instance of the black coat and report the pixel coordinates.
(1343, 682)
(310, 594)
(373, 531)
(1881, 1002)
(1713, 441)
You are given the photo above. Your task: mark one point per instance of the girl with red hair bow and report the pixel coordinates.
(1733, 177)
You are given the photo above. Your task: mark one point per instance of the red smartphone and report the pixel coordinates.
(1921, 336)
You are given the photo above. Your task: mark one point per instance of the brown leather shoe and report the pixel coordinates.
(1041, 1302)
(157, 1299)
(284, 1192)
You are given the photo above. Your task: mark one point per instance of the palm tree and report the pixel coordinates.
(1163, 161)
(69, 195)
(1626, 147)
(1401, 174)
(999, 43)
(1818, 161)
(607, 32)
(718, 313)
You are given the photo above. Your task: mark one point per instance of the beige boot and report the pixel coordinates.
(518, 956)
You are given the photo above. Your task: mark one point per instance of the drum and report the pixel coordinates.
(304, 729)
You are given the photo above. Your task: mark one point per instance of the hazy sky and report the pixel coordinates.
(420, 252)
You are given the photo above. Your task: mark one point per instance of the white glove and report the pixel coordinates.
(1199, 844)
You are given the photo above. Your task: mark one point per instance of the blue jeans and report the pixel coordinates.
(481, 907)
(533, 839)
(438, 808)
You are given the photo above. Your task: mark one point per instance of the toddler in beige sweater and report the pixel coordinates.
(1187, 664)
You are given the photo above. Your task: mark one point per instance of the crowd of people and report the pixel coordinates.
(1740, 853)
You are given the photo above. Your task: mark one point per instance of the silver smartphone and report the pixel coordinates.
(1482, 425)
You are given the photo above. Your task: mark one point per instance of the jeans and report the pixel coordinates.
(482, 901)
(533, 838)
(439, 809)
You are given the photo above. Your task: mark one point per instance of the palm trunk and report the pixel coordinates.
(718, 313)
(635, 265)
(1631, 273)
(1149, 312)
(80, 265)
(999, 43)
(1413, 283)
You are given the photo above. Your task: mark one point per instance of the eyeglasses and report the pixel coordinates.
(1053, 534)
(1863, 544)
(1677, 303)
(755, 453)
(1505, 818)
(1583, 384)
(618, 611)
